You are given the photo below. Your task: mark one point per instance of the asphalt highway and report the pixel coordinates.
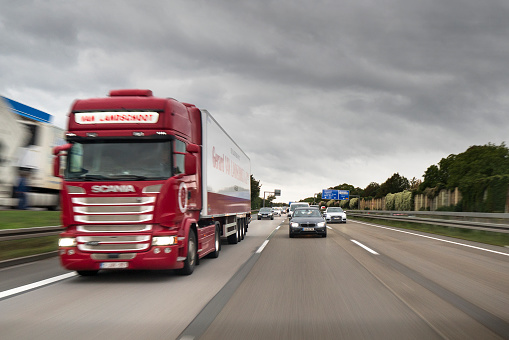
(361, 282)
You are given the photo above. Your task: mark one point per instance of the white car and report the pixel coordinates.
(276, 211)
(335, 214)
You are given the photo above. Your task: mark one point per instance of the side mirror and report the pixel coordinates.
(193, 148)
(190, 159)
(190, 164)
(56, 160)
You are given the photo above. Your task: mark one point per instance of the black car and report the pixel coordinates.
(308, 221)
(265, 213)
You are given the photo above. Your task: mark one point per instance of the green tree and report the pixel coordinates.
(345, 186)
(394, 184)
(476, 163)
(431, 177)
(255, 193)
(372, 190)
(268, 200)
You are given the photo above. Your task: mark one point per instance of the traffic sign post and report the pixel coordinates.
(276, 192)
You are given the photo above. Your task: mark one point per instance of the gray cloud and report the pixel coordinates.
(316, 93)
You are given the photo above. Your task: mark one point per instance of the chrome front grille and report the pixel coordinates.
(114, 228)
(103, 218)
(113, 247)
(103, 223)
(107, 209)
(113, 200)
(113, 209)
(114, 239)
(113, 243)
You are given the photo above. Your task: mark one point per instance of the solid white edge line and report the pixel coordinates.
(262, 246)
(34, 285)
(435, 238)
(363, 246)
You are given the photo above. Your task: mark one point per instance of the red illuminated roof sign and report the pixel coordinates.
(116, 117)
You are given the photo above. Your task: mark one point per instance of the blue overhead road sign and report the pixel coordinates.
(329, 194)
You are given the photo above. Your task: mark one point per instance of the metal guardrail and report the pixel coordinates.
(23, 233)
(478, 221)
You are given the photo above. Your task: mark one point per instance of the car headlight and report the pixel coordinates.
(164, 240)
(320, 224)
(294, 225)
(67, 242)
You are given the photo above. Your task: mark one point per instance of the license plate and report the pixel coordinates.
(308, 229)
(114, 265)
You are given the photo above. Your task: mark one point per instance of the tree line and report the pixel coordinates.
(481, 173)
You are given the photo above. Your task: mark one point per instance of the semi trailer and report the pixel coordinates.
(148, 183)
(27, 139)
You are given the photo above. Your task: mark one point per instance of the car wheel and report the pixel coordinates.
(291, 235)
(191, 259)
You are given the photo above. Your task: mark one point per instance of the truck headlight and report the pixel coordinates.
(294, 225)
(320, 224)
(164, 240)
(67, 242)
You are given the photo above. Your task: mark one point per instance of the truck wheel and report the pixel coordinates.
(241, 230)
(191, 259)
(87, 272)
(233, 238)
(217, 244)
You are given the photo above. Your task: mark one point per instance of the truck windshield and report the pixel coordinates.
(105, 160)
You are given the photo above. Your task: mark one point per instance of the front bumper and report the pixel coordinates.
(307, 231)
(157, 258)
(335, 219)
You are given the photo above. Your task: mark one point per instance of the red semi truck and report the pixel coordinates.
(148, 183)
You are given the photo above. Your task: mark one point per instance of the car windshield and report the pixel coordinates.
(307, 213)
(335, 210)
(126, 160)
(265, 210)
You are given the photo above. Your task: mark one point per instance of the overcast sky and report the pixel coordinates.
(317, 93)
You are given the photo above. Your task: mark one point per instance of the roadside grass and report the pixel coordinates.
(31, 246)
(15, 219)
(487, 237)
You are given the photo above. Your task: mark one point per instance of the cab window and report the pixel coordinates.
(179, 157)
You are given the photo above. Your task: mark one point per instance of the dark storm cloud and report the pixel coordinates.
(332, 92)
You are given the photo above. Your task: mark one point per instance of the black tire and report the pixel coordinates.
(192, 255)
(241, 230)
(233, 238)
(217, 243)
(87, 272)
(324, 234)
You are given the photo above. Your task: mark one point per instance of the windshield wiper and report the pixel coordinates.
(134, 177)
(94, 177)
